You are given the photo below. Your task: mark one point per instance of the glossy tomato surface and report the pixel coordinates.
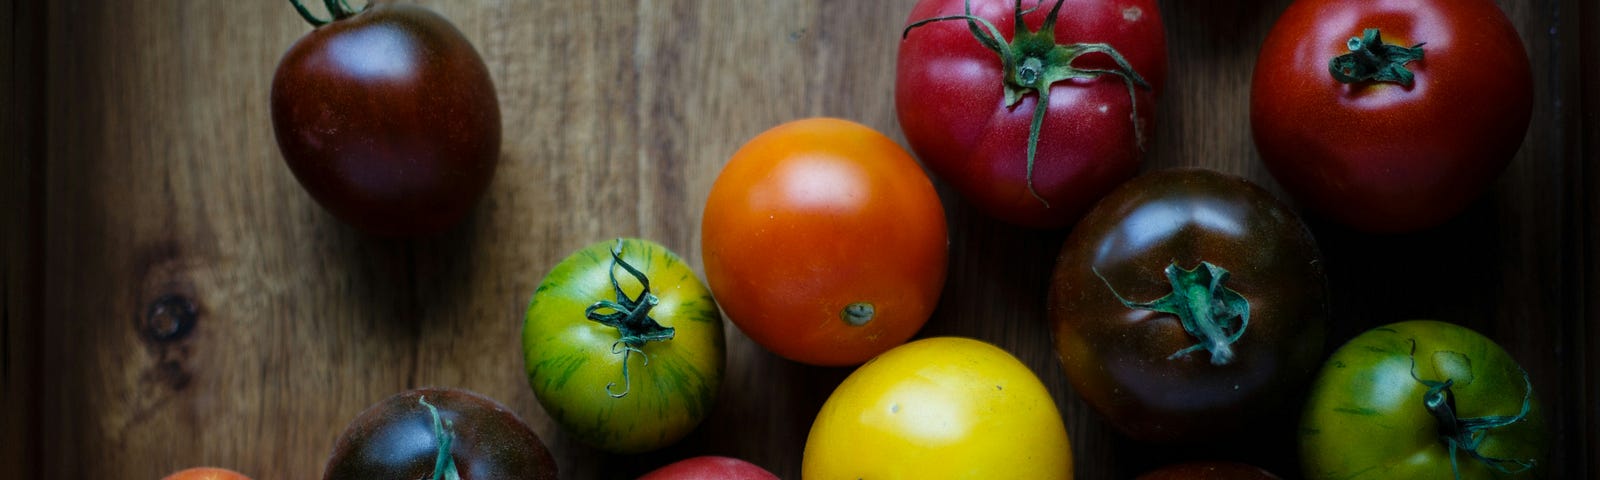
(939, 408)
(389, 119)
(630, 370)
(1384, 156)
(1140, 366)
(710, 468)
(825, 242)
(1209, 471)
(204, 473)
(401, 437)
(1369, 415)
(950, 94)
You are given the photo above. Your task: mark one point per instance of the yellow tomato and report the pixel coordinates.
(939, 408)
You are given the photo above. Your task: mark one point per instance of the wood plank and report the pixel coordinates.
(160, 185)
(21, 313)
(1586, 342)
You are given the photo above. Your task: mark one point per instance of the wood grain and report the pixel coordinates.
(141, 171)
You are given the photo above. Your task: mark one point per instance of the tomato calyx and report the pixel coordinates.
(1371, 60)
(1467, 434)
(631, 318)
(1034, 62)
(1212, 313)
(339, 9)
(444, 468)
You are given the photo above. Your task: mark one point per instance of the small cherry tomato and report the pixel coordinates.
(825, 242)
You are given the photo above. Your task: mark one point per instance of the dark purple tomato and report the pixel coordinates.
(1187, 305)
(419, 433)
(1209, 471)
(388, 118)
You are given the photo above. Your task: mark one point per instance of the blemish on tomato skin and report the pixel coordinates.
(1132, 14)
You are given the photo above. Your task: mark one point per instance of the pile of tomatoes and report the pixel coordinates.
(1185, 304)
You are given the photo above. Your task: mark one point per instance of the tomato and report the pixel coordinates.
(1415, 134)
(1188, 304)
(207, 474)
(825, 242)
(1033, 126)
(1422, 399)
(1209, 471)
(624, 346)
(710, 468)
(939, 408)
(388, 118)
(439, 433)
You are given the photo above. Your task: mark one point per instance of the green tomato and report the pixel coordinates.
(621, 364)
(1422, 400)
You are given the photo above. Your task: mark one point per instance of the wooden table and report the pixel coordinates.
(140, 165)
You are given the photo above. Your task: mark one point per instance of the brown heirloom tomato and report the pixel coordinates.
(1187, 305)
(439, 433)
(387, 117)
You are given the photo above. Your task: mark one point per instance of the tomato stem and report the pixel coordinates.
(1467, 434)
(444, 465)
(631, 318)
(306, 14)
(1371, 60)
(1034, 62)
(1209, 311)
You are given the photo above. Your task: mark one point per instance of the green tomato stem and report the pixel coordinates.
(444, 465)
(1467, 434)
(1211, 312)
(1371, 60)
(631, 318)
(306, 14)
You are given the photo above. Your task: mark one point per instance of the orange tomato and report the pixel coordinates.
(207, 474)
(825, 242)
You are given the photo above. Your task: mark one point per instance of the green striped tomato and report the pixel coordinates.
(624, 365)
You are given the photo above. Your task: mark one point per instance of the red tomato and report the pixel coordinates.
(710, 468)
(968, 111)
(825, 242)
(1391, 154)
(207, 474)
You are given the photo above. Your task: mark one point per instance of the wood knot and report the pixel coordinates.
(169, 319)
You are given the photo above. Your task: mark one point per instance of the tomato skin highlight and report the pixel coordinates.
(1125, 361)
(810, 222)
(1383, 157)
(1366, 417)
(389, 119)
(943, 407)
(575, 364)
(710, 468)
(951, 105)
